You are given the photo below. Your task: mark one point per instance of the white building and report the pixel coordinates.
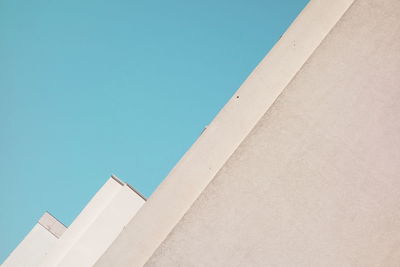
(87, 238)
(300, 168)
(37, 243)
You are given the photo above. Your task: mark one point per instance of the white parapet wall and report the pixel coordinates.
(96, 227)
(51, 244)
(37, 243)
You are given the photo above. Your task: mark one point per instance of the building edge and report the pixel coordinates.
(37, 243)
(208, 154)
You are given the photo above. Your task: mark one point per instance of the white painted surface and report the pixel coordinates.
(83, 221)
(52, 225)
(36, 244)
(206, 157)
(102, 232)
(99, 223)
(317, 181)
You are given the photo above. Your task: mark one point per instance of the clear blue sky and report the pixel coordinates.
(90, 88)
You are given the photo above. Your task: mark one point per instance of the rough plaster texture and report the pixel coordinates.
(316, 182)
(36, 244)
(205, 158)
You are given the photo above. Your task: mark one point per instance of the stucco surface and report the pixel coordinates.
(317, 181)
(166, 207)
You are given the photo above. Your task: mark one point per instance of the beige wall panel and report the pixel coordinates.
(317, 181)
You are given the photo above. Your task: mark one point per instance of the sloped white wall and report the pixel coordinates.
(36, 244)
(96, 227)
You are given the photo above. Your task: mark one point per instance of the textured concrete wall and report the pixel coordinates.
(317, 181)
(205, 158)
(36, 244)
